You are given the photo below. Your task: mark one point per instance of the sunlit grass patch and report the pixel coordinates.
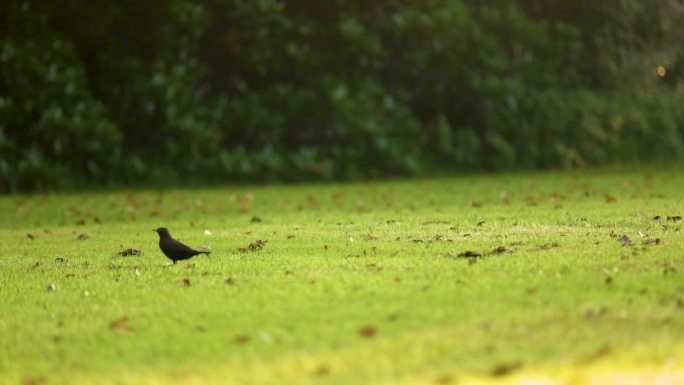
(473, 278)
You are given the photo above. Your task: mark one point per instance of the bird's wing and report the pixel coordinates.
(174, 245)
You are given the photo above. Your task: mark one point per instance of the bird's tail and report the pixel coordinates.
(205, 252)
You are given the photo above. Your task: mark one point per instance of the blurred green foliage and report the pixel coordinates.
(263, 90)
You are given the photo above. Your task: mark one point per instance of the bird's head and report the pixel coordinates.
(163, 232)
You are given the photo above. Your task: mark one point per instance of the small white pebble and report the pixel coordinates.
(266, 337)
(137, 272)
(207, 232)
(351, 239)
(52, 287)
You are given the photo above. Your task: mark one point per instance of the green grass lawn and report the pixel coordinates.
(356, 284)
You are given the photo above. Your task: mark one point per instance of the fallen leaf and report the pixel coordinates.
(83, 237)
(121, 326)
(30, 236)
(625, 240)
(505, 198)
(337, 195)
(370, 237)
(241, 339)
(501, 250)
(34, 381)
(533, 199)
(505, 369)
(590, 314)
(256, 219)
(128, 252)
(469, 254)
(546, 246)
(368, 331)
(247, 197)
(653, 241)
(257, 245)
(440, 238)
(322, 370)
(600, 353)
(437, 222)
(373, 267)
(475, 204)
(444, 380)
(184, 282)
(610, 199)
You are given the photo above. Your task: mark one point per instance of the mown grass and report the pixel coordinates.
(357, 283)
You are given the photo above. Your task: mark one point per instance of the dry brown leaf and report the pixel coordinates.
(654, 241)
(469, 254)
(128, 252)
(625, 240)
(257, 245)
(121, 326)
(368, 331)
(241, 339)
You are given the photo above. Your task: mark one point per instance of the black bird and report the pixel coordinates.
(173, 249)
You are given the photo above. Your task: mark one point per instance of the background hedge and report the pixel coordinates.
(115, 92)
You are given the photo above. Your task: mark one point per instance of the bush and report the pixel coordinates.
(270, 90)
(53, 133)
